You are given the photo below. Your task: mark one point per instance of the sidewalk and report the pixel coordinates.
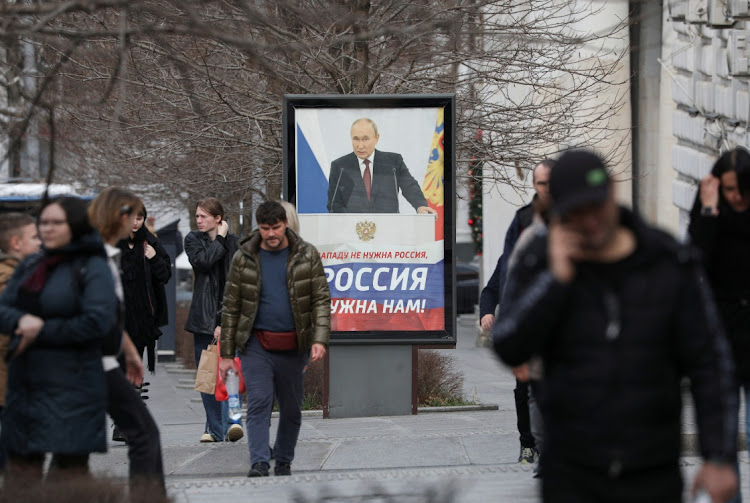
(458, 456)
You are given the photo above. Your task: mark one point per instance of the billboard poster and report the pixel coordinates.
(372, 180)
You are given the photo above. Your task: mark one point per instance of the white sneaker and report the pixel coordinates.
(207, 437)
(235, 433)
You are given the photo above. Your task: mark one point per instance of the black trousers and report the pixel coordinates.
(131, 416)
(521, 394)
(567, 483)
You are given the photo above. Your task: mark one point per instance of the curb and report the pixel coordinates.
(458, 408)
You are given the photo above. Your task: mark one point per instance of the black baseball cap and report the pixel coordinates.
(578, 178)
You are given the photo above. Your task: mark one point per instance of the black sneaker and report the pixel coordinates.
(282, 468)
(527, 455)
(259, 470)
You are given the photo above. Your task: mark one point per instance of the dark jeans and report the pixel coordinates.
(131, 416)
(566, 483)
(536, 423)
(217, 413)
(521, 394)
(266, 373)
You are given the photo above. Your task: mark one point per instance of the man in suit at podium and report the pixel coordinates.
(368, 180)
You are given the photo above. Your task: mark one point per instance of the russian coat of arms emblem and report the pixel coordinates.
(366, 230)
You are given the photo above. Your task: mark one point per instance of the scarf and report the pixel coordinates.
(31, 289)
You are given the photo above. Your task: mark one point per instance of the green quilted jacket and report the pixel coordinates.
(308, 291)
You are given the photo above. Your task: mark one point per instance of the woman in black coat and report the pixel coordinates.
(60, 304)
(146, 268)
(720, 227)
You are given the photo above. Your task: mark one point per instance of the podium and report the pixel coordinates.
(365, 380)
(389, 228)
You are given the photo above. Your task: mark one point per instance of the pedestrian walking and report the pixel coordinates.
(59, 306)
(618, 314)
(277, 314)
(112, 213)
(210, 250)
(720, 228)
(531, 372)
(492, 293)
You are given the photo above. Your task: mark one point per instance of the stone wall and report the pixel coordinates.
(709, 68)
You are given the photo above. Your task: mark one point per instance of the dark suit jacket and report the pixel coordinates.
(345, 182)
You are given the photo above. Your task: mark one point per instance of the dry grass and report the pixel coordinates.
(439, 382)
(313, 395)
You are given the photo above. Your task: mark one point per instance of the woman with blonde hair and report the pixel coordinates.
(292, 220)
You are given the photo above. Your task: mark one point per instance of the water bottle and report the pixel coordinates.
(233, 391)
(701, 496)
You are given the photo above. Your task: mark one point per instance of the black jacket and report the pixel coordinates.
(210, 261)
(491, 293)
(143, 281)
(390, 174)
(725, 243)
(616, 342)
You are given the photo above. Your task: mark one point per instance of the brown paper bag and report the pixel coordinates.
(205, 378)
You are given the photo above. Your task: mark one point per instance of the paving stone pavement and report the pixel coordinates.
(468, 456)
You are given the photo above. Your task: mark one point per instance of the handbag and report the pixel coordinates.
(205, 377)
(221, 389)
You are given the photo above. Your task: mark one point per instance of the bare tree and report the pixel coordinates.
(186, 95)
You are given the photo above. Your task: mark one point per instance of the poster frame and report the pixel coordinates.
(292, 103)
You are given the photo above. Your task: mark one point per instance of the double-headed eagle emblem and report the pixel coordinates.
(366, 230)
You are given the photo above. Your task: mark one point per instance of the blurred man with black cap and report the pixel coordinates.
(616, 311)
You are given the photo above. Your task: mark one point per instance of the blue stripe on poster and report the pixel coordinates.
(382, 281)
(312, 186)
